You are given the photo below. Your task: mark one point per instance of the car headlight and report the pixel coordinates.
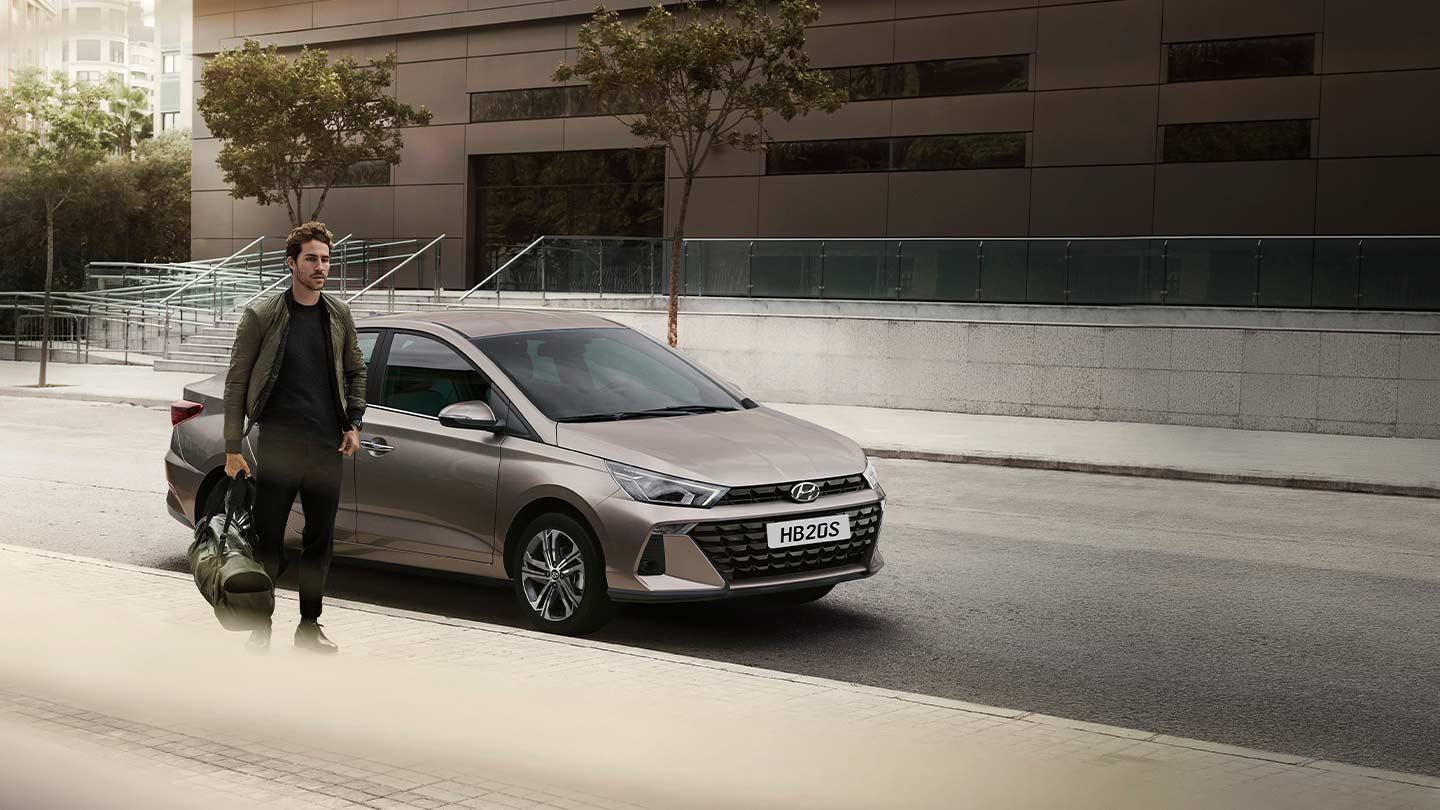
(649, 487)
(873, 478)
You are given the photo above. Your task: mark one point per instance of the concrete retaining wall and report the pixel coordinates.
(1370, 383)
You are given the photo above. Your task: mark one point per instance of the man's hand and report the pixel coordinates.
(235, 463)
(350, 443)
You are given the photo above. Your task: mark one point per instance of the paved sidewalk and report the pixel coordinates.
(427, 712)
(1318, 461)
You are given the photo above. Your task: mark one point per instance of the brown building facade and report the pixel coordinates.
(973, 118)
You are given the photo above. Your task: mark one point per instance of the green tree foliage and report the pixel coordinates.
(62, 210)
(129, 115)
(699, 80)
(59, 132)
(293, 128)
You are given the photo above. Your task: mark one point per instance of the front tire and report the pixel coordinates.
(559, 576)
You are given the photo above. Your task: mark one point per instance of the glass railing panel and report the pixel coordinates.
(1121, 271)
(1287, 270)
(1336, 274)
(1046, 280)
(1400, 274)
(855, 270)
(1210, 272)
(785, 269)
(1004, 270)
(938, 270)
(714, 268)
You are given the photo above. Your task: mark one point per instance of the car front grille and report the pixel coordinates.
(740, 551)
(769, 493)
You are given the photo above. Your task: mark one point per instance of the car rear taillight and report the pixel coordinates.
(184, 409)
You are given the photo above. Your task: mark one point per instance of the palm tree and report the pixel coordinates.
(129, 108)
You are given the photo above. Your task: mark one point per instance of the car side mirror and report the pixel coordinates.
(473, 415)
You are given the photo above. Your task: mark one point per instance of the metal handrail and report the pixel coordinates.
(396, 268)
(212, 269)
(500, 270)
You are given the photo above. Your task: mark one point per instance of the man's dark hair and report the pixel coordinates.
(303, 233)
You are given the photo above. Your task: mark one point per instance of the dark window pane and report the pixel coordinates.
(946, 152)
(514, 105)
(950, 77)
(1245, 140)
(366, 173)
(423, 375)
(813, 157)
(1242, 58)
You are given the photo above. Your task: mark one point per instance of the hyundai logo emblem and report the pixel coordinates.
(805, 492)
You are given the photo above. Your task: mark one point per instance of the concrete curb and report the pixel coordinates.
(996, 712)
(1173, 473)
(83, 396)
(991, 459)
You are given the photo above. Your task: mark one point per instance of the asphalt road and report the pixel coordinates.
(1291, 621)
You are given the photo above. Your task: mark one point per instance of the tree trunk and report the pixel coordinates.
(675, 257)
(49, 283)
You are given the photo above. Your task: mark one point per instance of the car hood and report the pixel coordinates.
(733, 448)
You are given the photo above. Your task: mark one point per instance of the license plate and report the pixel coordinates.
(808, 531)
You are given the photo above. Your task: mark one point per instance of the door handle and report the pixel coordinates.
(376, 447)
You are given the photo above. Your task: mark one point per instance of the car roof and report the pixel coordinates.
(477, 323)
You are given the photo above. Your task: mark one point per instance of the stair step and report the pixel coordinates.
(217, 357)
(195, 366)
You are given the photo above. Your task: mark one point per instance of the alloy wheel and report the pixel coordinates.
(552, 574)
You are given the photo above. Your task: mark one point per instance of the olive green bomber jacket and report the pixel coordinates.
(260, 347)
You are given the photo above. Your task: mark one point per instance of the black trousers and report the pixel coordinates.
(288, 465)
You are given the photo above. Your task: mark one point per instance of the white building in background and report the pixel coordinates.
(174, 30)
(105, 39)
(26, 29)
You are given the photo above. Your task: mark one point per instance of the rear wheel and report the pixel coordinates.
(560, 577)
(801, 596)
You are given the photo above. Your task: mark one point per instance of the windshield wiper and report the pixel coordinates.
(653, 413)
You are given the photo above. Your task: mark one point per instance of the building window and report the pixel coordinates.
(926, 153)
(170, 62)
(169, 121)
(87, 50)
(938, 77)
(1241, 58)
(364, 173)
(541, 102)
(1242, 140)
(603, 192)
(87, 19)
(117, 52)
(88, 76)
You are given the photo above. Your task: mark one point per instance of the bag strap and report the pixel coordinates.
(230, 485)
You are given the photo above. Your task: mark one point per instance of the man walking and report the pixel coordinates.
(296, 369)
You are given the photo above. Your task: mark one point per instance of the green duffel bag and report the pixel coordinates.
(222, 558)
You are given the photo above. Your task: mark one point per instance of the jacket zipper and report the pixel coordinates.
(274, 371)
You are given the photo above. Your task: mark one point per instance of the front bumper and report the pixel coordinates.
(721, 553)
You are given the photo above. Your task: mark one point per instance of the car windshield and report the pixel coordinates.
(589, 375)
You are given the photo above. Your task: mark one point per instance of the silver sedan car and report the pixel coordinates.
(577, 458)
